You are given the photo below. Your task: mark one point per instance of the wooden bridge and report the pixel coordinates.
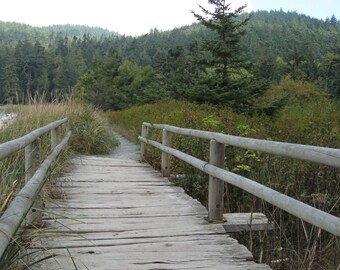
(119, 213)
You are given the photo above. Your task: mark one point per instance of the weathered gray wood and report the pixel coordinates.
(240, 222)
(100, 239)
(32, 159)
(11, 219)
(299, 209)
(322, 155)
(17, 144)
(101, 258)
(149, 229)
(55, 136)
(216, 186)
(142, 144)
(165, 166)
(32, 163)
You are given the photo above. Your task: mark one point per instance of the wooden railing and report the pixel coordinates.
(26, 198)
(218, 175)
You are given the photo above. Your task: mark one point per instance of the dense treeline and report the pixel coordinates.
(30, 68)
(11, 32)
(281, 44)
(115, 72)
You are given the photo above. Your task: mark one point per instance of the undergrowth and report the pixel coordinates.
(308, 116)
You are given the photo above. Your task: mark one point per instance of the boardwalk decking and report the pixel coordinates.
(120, 214)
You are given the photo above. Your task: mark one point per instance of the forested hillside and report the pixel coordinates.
(115, 72)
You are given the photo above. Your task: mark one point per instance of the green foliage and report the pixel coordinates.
(229, 84)
(211, 121)
(11, 32)
(287, 91)
(116, 84)
(225, 47)
(178, 73)
(295, 40)
(49, 61)
(330, 72)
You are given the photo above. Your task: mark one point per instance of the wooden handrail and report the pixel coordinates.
(12, 146)
(12, 218)
(321, 155)
(299, 209)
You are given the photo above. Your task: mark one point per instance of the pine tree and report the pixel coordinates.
(9, 81)
(228, 80)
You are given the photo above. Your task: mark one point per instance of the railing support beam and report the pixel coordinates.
(32, 163)
(216, 186)
(142, 144)
(55, 137)
(166, 163)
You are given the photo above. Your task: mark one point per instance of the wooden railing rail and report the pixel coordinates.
(12, 146)
(18, 209)
(214, 168)
(321, 155)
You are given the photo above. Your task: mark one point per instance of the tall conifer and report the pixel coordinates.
(230, 82)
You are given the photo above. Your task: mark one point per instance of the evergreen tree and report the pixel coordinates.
(25, 67)
(99, 87)
(228, 82)
(39, 70)
(225, 48)
(9, 81)
(330, 73)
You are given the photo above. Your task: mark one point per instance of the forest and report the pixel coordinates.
(115, 72)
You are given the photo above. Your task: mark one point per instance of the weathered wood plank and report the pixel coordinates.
(57, 212)
(100, 258)
(128, 217)
(239, 222)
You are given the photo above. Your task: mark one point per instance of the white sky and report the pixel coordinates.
(136, 17)
(130, 17)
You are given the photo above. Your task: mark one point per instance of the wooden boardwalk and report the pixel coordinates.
(121, 214)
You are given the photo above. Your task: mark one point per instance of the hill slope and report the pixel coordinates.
(50, 60)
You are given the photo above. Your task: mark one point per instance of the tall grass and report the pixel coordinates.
(309, 117)
(91, 134)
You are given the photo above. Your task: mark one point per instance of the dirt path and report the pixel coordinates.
(126, 149)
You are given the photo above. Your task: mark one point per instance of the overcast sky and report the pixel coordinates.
(136, 17)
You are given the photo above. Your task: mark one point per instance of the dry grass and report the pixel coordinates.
(91, 134)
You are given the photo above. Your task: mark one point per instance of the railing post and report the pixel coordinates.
(142, 144)
(32, 163)
(55, 137)
(66, 126)
(166, 141)
(216, 186)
